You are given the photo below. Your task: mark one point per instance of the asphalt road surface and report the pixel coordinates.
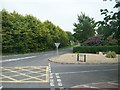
(35, 71)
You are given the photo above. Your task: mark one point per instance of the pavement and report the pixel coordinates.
(84, 58)
(35, 72)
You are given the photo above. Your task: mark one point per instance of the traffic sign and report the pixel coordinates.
(57, 44)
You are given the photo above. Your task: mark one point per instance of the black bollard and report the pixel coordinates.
(78, 57)
(84, 58)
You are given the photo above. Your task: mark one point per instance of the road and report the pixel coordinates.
(35, 71)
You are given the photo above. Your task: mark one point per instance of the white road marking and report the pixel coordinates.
(58, 80)
(87, 71)
(51, 73)
(57, 76)
(62, 88)
(60, 84)
(1, 87)
(51, 77)
(89, 86)
(52, 84)
(16, 59)
(49, 64)
(103, 82)
(113, 83)
(51, 80)
(49, 69)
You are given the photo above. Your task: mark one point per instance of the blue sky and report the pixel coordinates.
(61, 12)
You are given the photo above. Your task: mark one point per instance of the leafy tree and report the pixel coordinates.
(6, 33)
(22, 34)
(70, 37)
(84, 28)
(110, 26)
(56, 34)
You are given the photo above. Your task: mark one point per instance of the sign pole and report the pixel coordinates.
(57, 51)
(57, 45)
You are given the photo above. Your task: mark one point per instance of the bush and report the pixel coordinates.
(95, 49)
(111, 54)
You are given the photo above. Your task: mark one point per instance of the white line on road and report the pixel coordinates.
(57, 76)
(1, 87)
(113, 83)
(51, 78)
(60, 84)
(87, 71)
(16, 59)
(52, 84)
(59, 80)
(88, 84)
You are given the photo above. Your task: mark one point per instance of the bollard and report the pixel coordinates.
(78, 57)
(84, 58)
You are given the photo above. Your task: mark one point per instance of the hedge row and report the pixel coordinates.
(95, 49)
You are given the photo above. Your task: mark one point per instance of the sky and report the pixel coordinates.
(62, 13)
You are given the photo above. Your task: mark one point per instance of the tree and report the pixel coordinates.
(84, 28)
(70, 37)
(23, 34)
(110, 26)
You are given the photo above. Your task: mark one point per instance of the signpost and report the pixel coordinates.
(57, 45)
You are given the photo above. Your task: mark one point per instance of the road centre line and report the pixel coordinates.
(16, 59)
(86, 71)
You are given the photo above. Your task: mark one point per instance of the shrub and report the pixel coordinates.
(111, 54)
(95, 49)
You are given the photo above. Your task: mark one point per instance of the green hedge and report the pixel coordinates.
(95, 49)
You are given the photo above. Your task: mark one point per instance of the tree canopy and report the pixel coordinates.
(22, 34)
(110, 26)
(84, 28)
